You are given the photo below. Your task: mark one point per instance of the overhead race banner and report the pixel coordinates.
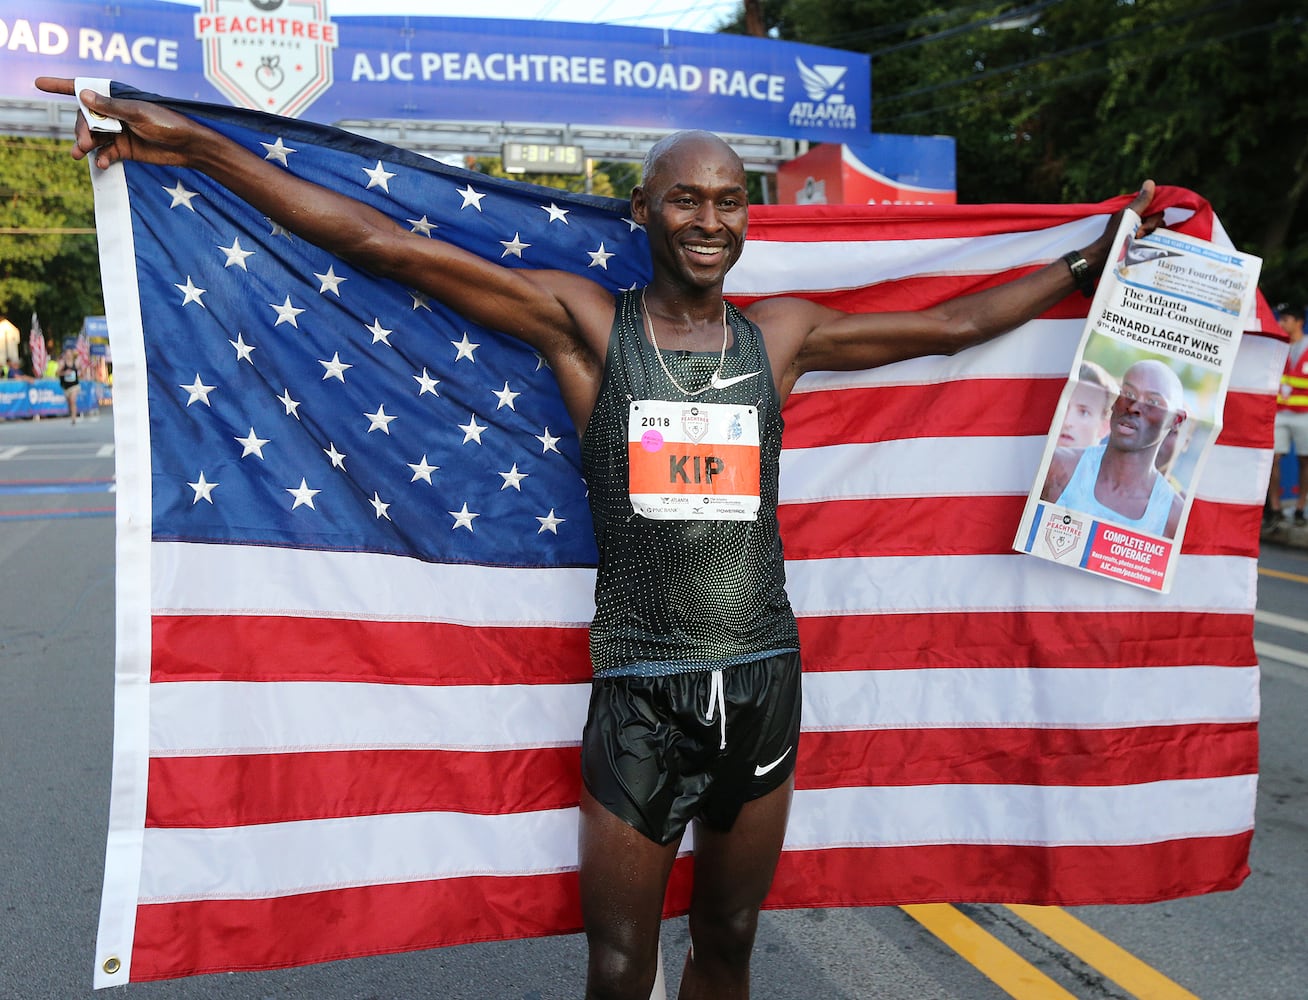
(291, 57)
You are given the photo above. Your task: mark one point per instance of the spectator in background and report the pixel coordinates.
(1086, 420)
(1291, 420)
(67, 374)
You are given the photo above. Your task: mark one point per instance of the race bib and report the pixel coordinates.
(693, 461)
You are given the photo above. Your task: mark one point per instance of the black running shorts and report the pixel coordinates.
(652, 753)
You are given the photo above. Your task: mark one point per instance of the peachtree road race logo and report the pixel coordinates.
(825, 107)
(1062, 535)
(269, 55)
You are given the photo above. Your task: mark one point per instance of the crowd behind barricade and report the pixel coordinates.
(40, 381)
(1290, 467)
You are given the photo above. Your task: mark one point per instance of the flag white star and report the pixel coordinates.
(335, 367)
(549, 441)
(426, 383)
(252, 444)
(292, 405)
(378, 177)
(337, 458)
(379, 332)
(423, 225)
(286, 313)
(380, 507)
(422, 470)
(465, 347)
(181, 196)
(420, 301)
(330, 282)
(506, 396)
(472, 430)
(190, 293)
(512, 478)
(303, 495)
(514, 246)
(277, 151)
(550, 523)
(600, 257)
(199, 391)
(542, 362)
(235, 255)
(556, 214)
(203, 490)
(379, 421)
(471, 197)
(462, 518)
(277, 229)
(633, 225)
(243, 350)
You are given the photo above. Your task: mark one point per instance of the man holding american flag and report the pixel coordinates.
(694, 712)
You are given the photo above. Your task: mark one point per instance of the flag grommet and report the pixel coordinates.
(111, 965)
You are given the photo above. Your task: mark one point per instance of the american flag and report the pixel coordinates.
(355, 572)
(83, 356)
(36, 343)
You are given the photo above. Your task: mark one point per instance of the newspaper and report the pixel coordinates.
(1142, 407)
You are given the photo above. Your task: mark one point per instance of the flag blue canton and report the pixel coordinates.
(298, 401)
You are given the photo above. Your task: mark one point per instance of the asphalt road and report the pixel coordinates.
(56, 667)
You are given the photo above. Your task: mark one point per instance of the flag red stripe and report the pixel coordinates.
(989, 407)
(238, 934)
(981, 525)
(272, 648)
(890, 223)
(325, 926)
(913, 293)
(226, 791)
(997, 873)
(1049, 639)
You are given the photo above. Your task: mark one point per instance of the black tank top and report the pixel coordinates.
(675, 596)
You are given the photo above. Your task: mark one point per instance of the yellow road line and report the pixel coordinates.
(999, 963)
(1280, 574)
(1118, 964)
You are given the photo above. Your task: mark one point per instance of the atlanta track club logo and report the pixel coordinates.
(268, 55)
(826, 107)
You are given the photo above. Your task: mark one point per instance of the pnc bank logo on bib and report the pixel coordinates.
(826, 107)
(268, 55)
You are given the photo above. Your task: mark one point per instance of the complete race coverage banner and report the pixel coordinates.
(355, 572)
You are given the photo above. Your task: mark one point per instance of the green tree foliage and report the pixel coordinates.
(44, 268)
(1055, 100)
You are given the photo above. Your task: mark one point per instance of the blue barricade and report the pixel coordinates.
(44, 397)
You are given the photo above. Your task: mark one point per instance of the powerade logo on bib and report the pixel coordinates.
(693, 461)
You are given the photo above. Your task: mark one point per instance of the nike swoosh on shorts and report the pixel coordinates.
(762, 769)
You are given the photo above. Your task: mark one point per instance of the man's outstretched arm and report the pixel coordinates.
(526, 304)
(817, 338)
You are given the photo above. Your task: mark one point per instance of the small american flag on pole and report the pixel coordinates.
(355, 573)
(36, 343)
(83, 356)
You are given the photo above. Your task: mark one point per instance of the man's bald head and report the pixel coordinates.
(661, 166)
(1153, 378)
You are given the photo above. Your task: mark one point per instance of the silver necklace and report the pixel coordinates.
(715, 380)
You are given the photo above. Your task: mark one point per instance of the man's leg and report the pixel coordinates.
(624, 876)
(733, 872)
